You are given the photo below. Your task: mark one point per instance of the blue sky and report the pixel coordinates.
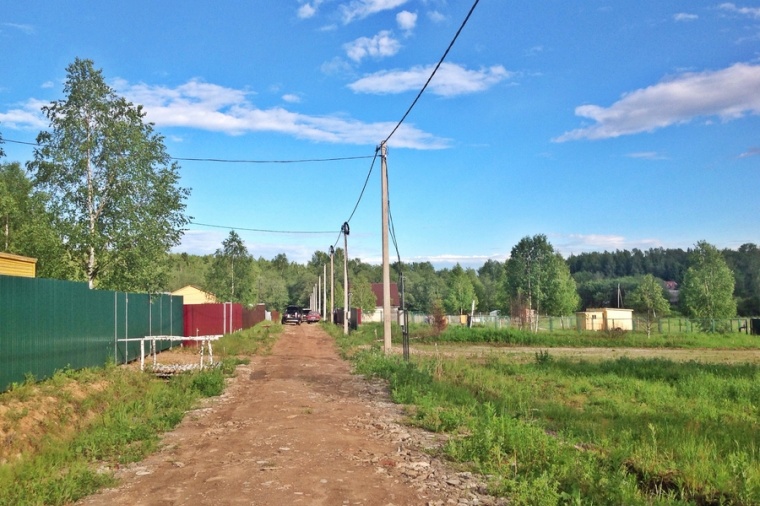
(604, 125)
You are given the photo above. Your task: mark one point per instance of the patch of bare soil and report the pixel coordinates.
(296, 427)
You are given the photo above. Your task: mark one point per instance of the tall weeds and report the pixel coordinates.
(615, 432)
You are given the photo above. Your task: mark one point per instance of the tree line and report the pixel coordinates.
(534, 280)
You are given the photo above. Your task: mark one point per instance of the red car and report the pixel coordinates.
(313, 317)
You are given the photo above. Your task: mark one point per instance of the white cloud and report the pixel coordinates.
(684, 16)
(207, 106)
(728, 94)
(752, 12)
(647, 155)
(436, 17)
(291, 98)
(406, 20)
(27, 29)
(750, 152)
(568, 244)
(27, 117)
(308, 9)
(337, 67)
(360, 9)
(450, 80)
(381, 45)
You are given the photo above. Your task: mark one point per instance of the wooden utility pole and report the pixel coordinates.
(386, 262)
(346, 309)
(332, 283)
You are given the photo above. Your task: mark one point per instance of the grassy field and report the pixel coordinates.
(63, 437)
(565, 430)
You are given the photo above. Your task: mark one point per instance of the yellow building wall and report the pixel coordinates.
(16, 265)
(194, 295)
(605, 319)
(618, 319)
(591, 319)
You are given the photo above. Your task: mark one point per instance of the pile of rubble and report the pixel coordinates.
(167, 370)
(415, 461)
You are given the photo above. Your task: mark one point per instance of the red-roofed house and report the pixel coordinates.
(377, 316)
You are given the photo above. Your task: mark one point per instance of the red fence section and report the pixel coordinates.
(212, 319)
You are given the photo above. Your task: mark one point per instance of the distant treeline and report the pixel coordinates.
(599, 274)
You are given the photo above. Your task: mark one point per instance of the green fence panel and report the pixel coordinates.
(47, 325)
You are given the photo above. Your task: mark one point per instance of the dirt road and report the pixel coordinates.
(295, 427)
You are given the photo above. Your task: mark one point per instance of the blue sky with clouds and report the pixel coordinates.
(604, 125)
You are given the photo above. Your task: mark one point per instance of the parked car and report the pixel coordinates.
(313, 317)
(292, 314)
(304, 313)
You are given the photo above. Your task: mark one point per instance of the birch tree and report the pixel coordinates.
(707, 292)
(113, 188)
(649, 298)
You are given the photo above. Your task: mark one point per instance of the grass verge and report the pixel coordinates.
(557, 431)
(63, 438)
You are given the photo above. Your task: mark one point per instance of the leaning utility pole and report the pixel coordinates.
(386, 263)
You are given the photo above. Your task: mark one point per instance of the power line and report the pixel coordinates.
(227, 160)
(434, 71)
(20, 142)
(293, 232)
(366, 180)
(308, 160)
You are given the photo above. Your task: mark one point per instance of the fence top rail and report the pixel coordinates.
(214, 337)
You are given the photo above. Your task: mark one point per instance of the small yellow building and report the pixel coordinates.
(607, 318)
(194, 295)
(16, 265)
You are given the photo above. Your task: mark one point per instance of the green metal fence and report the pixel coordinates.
(47, 325)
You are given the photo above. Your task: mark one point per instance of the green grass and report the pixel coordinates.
(572, 338)
(256, 340)
(624, 431)
(97, 419)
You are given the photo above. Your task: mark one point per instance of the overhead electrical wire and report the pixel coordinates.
(440, 62)
(409, 110)
(307, 160)
(313, 232)
(366, 180)
(226, 160)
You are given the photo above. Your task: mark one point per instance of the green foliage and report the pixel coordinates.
(708, 286)
(745, 263)
(615, 432)
(27, 226)
(210, 383)
(229, 276)
(362, 295)
(113, 188)
(256, 340)
(649, 299)
(490, 295)
(539, 280)
(116, 423)
(460, 292)
(186, 269)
